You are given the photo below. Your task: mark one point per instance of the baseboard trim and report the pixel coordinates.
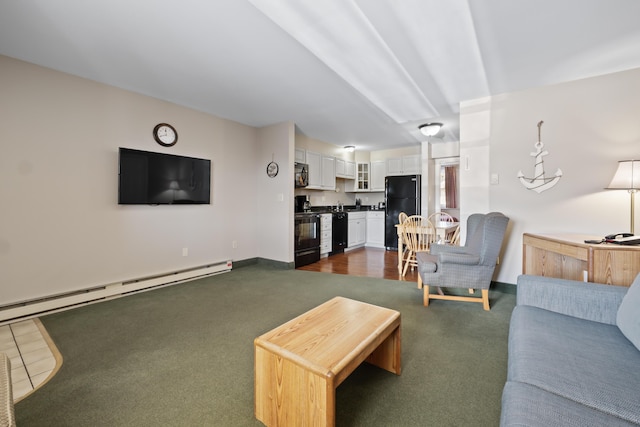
(505, 288)
(55, 303)
(264, 262)
(52, 304)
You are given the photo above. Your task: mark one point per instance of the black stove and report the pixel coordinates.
(307, 238)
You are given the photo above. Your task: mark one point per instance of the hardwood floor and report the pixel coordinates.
(365, 262)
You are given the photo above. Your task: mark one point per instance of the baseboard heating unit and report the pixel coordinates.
(61, 302)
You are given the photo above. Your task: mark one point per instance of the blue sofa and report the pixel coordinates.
(574, 357)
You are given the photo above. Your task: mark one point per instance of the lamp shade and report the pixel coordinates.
(430, 129)
(627, 176)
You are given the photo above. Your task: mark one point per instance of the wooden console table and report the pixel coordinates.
(566, 256)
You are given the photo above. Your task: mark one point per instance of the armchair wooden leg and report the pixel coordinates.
(485, 299)
(419, 281)
(426, 295)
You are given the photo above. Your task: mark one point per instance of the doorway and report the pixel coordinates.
(447, 186)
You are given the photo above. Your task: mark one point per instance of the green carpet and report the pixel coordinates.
(183, 355)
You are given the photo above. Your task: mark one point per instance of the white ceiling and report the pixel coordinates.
(348, 72)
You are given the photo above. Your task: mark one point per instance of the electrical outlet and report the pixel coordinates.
(234, 244)
(185, 251)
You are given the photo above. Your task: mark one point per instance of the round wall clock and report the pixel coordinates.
(272, 169)
(165, 134)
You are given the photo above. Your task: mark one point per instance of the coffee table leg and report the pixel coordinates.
(387, 355)
(288, 394)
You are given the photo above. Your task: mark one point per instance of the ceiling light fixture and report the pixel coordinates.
(430, 129)
(349, 148)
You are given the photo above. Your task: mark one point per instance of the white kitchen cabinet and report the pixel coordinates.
(362, 178)
(375, 229)
(314, 160)
(405, 165)
(340, 168)
(394, 166)
(326, 221)
(411, 164)
(300, 155)
(350, 170)
(345, 169)
(356, 229)
(322, 171)
(328, 173)
(378, 172)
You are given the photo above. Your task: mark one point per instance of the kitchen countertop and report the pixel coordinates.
(347, 208)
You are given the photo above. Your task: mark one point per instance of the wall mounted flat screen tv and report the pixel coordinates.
(148, 178)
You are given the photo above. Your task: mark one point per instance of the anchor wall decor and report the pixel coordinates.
(539, 182)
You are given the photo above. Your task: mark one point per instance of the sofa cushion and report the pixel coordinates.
(628, 318)
(588, 362)
(526, 405)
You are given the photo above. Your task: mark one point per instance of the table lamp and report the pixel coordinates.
(627, 177)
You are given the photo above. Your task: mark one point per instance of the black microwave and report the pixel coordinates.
(301, 174)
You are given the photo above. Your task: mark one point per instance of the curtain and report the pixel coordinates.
(451, 185)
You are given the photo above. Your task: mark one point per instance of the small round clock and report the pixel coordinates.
(272, 169)
(165, 134)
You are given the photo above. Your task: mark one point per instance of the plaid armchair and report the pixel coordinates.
(470, 266)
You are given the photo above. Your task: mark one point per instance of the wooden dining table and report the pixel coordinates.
(442, 229)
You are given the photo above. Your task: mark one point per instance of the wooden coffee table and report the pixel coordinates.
(299, 364)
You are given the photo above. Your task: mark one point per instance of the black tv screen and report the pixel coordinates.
(148, 178)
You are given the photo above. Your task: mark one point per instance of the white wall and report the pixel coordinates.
(394, 152)
(61, 228)
(588, 126)
(274, 210)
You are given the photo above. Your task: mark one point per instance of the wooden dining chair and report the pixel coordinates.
(401, 218)
(417, 234)
(440, 217)
(452, 237)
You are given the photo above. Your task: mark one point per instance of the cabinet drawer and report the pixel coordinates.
(326, 220)
(325, 236)
(357, 215)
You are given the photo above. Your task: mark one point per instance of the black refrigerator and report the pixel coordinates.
(401, 194)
